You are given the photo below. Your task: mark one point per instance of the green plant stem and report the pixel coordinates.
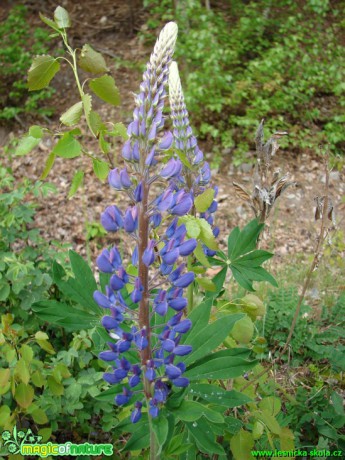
(153, 444)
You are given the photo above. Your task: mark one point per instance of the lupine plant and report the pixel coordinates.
(161, 278)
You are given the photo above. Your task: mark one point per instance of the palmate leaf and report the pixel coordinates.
(245, 260)
(204, 437)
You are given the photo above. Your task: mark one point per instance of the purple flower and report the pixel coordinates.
(149, 254)
(182, 203)
(172, 169)
(123, 398)
(111, 219)
(188, 247)
(136, 414)
(185, 280)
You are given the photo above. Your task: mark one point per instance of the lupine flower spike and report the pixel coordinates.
(196, 178)
(154, 295)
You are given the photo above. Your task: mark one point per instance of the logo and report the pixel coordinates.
(27, 443)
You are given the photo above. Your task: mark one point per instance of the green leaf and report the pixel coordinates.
(26, 144)
(5, 375)
(206, 283)
(75, 289)
(26, 353)
(193, 228)
(92, 61)
(247, 239)
(241, 445)
(24, 395)
(36, 131)
(48, 166)
(104, 87)
(337, 401)
(104, 145)
(49, 22)
(200, 315)
(219, 365)
(206, 234)
(72, 115)
(189, 411)
(4, 290)
(200, 255)
(76, 183)
(42, 71)
(22, 371)
(177, 446)
(84, 275)
(61, 18)
(55, 387)
(101, 169)
(67, 146)
(204, 438)
(39, 416)
(271, 405)
(217, 395)
(140, 439)
(160, 427)
(69, 317)
(120, 130)
(203, 202)
(268, 420)
(210, 337)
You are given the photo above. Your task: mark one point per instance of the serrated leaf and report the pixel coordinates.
(193, 228)
(42, 71)
(48, 166)
(67, 147)
(61, 18)
(72, 115)
(101, 169)
(104, 145)
(119, 129)
(76, 183)
(48, 22)
(104, 87)
(203, 202)
(200, 256)
(26, 144)
(206, 234)
(92, 61)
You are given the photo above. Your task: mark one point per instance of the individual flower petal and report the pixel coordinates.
(173, 372)
(123, 398)
(172, 169)
(188, 247)
(114, 179)
(111, 219)
(125, 180)
(181, 382)
(185, 280)
(149, 254)
(136, 414)
(101, 299)
(166, 141)
(183, 326)
(108, 355)
(183, 204)
(178, 304)
(182, 350)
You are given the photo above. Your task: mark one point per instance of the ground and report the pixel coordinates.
(112, 27)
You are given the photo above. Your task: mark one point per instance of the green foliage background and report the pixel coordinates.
(244, 61)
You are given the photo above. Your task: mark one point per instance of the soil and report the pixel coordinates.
(112, 27)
